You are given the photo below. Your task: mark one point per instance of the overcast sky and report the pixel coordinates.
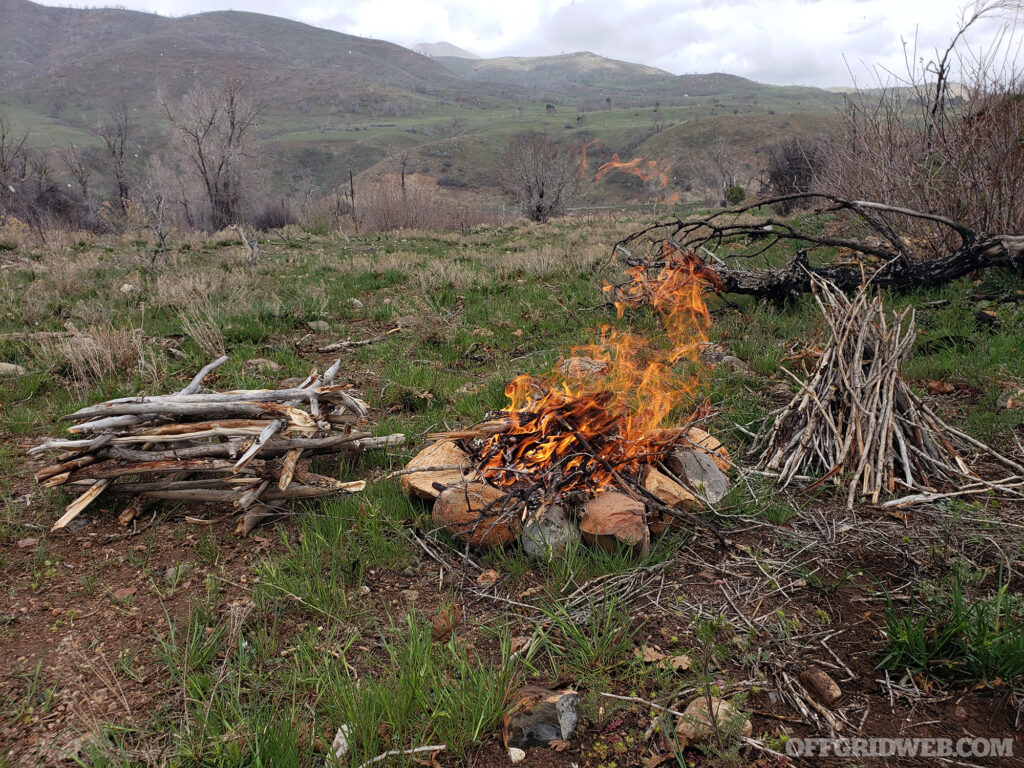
(772, 41)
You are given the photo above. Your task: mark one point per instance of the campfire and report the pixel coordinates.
(591, 443)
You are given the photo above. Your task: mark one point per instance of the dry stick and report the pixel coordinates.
(83, 501)
(401, 752)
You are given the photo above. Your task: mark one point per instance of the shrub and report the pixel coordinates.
(275, 214)
(735, 195)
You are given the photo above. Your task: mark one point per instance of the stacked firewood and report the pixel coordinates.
(857, 423)
(244, 448)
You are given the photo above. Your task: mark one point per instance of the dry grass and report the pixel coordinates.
(98, 352)
(199, 324)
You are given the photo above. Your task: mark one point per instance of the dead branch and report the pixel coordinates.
(875, 237)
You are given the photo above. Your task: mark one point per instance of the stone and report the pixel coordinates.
(444, 453)
(579, 367)
(318, 326)
(719, 355)
(128, 288)
(700, 472)
(516, 755)
(821, 685)
(355, 303)
(479, 512)
(487, 578)
(10, 369)
(611, 519)
(693, 728)
(260, 365)
(549, 537)
(538, 716)
(703, 441)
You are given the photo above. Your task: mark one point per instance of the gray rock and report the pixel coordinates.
(355, 303)
(538, 717)
(548, 538)
(319, 326)
(11, 369)
(700, 472)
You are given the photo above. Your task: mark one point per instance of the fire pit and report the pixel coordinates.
(607, 444)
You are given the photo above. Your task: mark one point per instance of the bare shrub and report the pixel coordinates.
(792, 167)
(538, 174)
(98, 352)
(386, 206)
(926, 143)
(274, 214)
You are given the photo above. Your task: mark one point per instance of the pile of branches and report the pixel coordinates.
(241, 448)
(857, 422)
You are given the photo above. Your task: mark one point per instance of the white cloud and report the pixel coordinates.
(777, 41)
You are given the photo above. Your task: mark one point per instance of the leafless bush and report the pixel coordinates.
(927, 143)
(538, 174)
(274, 214)
(386, 206)
(792, 167)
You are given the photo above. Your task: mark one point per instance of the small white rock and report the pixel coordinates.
(128, 288)
(355, 303)
(516, 755)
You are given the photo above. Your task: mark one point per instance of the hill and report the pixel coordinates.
(443, 49)
(335, 103)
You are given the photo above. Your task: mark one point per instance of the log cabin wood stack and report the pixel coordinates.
(249, 449)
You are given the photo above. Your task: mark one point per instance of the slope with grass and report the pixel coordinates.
(173, 641)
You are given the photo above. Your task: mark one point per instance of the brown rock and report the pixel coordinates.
(443, 453)
(538, 716)
(612, 518)
(704, 441)
(578, 367)
(694, 728)
(818, 682)
(476, 510)
(668, 490)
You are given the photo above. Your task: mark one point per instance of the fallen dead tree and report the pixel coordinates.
(248, 448)
(874, 244)
(857, 423)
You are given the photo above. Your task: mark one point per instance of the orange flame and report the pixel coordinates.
(583, 152)
(606, 417)
(650, 172)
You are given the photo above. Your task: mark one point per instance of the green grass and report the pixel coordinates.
(953, 637)
(264, 681)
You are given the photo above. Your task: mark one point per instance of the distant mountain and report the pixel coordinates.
(584, 69)
(91, 57)
(433, 50)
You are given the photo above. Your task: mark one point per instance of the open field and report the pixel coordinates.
(172, 642)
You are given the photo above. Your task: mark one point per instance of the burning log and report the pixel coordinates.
(856, 421)
(242, 448)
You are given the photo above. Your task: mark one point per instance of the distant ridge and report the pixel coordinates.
(434, 50)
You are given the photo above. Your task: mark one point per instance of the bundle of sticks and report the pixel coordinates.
(241, 448)
(857, 422)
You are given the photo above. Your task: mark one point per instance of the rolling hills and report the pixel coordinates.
(335, 102)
